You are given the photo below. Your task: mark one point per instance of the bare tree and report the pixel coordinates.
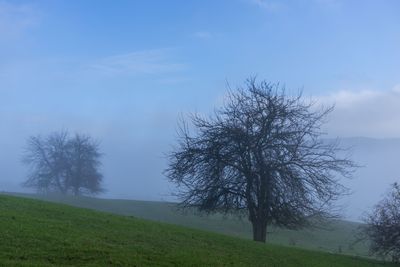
(62, 164)
(260, 153)
(383, 226)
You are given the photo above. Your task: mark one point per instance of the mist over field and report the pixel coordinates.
(135, 146)
(134, 170)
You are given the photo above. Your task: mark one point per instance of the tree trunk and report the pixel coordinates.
(259, 231)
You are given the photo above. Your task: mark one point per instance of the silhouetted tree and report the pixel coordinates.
(63, 164)
(260, 153)
(383, 225)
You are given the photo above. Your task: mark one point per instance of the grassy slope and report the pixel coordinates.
(37, 233)
(339, 237)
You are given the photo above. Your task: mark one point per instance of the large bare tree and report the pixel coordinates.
(64, 164)
(261, 153)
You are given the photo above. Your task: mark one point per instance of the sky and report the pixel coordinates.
(125, 71)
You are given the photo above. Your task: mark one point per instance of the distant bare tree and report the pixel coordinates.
(383, 225)
(63, 164)
(260, 153)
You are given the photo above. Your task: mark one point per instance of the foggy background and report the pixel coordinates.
(125, 72)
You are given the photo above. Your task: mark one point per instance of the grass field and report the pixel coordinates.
(339, 237)
(38, 233)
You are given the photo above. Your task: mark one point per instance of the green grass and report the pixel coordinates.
(338, 237)
(38, 233)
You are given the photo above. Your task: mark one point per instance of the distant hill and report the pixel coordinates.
(380, 166)
(37, 233)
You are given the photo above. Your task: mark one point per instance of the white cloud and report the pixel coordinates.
(139, 62)
(202, 35)
(275, 5)
(269, 5)
(331, 3)
(16, 18)
(370, 113)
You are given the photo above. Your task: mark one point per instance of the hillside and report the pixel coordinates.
(37, 233)
(338, 237)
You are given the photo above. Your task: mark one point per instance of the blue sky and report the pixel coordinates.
(123, 71)
(322, 45)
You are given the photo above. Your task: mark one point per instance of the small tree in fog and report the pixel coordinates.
(260, 153)
(383, 225)
(64, 164)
